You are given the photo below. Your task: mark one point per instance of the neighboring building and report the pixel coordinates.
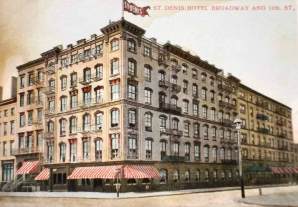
(122, 99)
(7, 139)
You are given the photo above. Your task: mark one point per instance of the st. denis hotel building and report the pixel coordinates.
(119, 107)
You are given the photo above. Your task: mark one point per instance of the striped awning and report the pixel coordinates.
(28, 167)
(284, 170)
(99, 172)
(140, 172)
(43, 175)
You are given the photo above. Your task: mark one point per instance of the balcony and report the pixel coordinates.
(90, 102)
(263, 130)
(262, 117)
(226, 122)
(226, 88)
(39, 83)
(37, 122)
(262, 104)
(162, 61)
(90, 130)
(26, 150)
(227, 105)
(96, 77)
(176, 68)
(49, 135)
(282, 135)
(164, 84)
(173, 132)
(175, 88)
(230, 162)
(49, 90)
(51, 69)
(50, 112)
(85, 81)
(166, 107)
(173, 158)
(228, 141)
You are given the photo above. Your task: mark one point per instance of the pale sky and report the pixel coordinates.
(259, 47)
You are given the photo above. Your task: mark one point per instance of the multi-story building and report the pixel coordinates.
(122, 99)
(7, 138)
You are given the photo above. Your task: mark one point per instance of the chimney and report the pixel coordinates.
(13, 87)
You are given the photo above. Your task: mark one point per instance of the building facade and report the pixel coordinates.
(120, 98)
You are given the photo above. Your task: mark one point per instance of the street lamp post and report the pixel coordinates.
(118, 184)
(237, 123)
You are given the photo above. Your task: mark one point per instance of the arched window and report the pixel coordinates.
(86, 122)
(87, 75)
(206, 175)
(163, 122)
(213, 114)
(204, 93)
(50, 126)
(62, 152)
(115, 117)
(147, 72)
(132, 67)
(203, 77)
(162, 75)
(98, 72)
(174, 100)
(62, 123)
(214, 154)
(198, 175)
(63, 103)
(204, 112)
(222, 153)
(131, 45)
(98, 149)
(114, 66)
(148, 121)
(213, 133)
(184, 68)
(206, 153)
(98, 120)
(176, 176)
(194, 73)
(175, 123)
(205, 131)
(63, 80)
(114, 44)
(72, 125)
(187, 176)
(148, 95)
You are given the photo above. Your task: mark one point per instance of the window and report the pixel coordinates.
(222, 153)
(184, 69)
(176, 149)
(147, 73)
(187, 151)
(132, 147)
(98, 94)
(185, 106)
(22, 119)
(30, 117)
(98, 121)
(62, 152)
(74, 58)
(86, 122)
(39, 114)
(114, 66)
(163, 149)
(87, 96)
(204, 94)
(98, 49)
(162, 75)
(186, 129)
(185, 86)
(163, 176)
(212, 114)
(132, 91)
(147, 51)
(197, 151)
(114, 145)
(30, 79)
(22, 99)
(87, 53)
(163, 123)
(213, 133)
(195, 109)
(206, 153)
(205, 131)
(132, 118)
(63, 103)
(115, 90)
(131, 45)
(148, 148)
(87, 75)
(148, 96)
(242, 108)
(114, 117)
(132, 67)
(86, 144)
(204, 112)
(175, 123)
(214, 154)
(203, 77)
(195, 90)
(73, 150)
(50, 127)
(73, 79)
(22, 81)
(73, 101)
(5, 128)
(148, 121)
(194, 73)
(98, 72)
(196, 130)
(63, 80)
(62, 127)
(12, 127)
(176, 176)
(30, 97)
(114, 45)
(98, 149)
(212, 96)
(51, 105)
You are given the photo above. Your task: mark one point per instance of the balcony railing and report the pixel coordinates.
(39, 82)
(226, 122)
(49, 135)
(227, 105)
(164, 84)
(173, 158)
(90, 102)
(176, 68)
(174, 132)
(175, 88)
(26, 150)
(224, 87)
(85, 81)
(96, 77)
(262, 117)
(170, 108)
(231, 162)
(90, 129)
(49, 90)
(51, 69)
(282, 135)
(162, 61)
(228, 141)
(263, 130)
(37, 122)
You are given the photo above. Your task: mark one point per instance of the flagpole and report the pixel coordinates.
(123, 9)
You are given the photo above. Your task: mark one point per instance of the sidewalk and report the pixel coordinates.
(105, 195)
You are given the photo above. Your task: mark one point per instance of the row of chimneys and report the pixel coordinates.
(13, 89)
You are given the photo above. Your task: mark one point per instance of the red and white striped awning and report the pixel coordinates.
(28, 167)
(100, 172)
(43, 175)
(140, 172)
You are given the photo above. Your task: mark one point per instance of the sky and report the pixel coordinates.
(257, 44)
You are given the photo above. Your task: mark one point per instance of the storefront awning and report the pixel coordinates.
(43, 175)
(100, 172)
(140, 172)
(284, 170)
(28, 167)
(114, 171)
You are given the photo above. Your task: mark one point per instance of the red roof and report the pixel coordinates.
(43, 175)
(28, 167)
